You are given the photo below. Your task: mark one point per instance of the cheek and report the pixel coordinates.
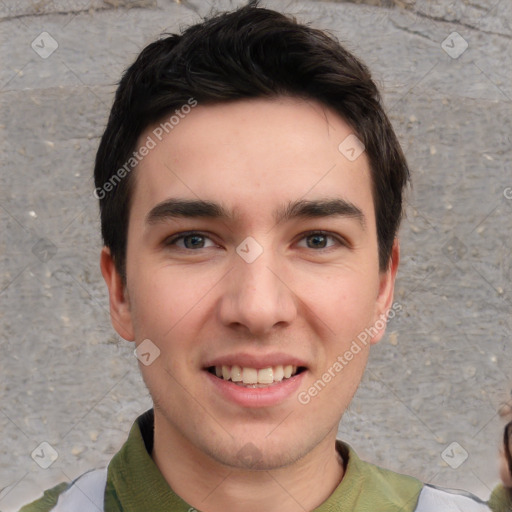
(163, 295)
(345, 304)
(166, 311)
(158, 303)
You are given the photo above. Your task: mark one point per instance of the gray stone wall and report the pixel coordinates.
(429, 403)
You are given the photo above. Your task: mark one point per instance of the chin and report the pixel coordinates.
(254, 457)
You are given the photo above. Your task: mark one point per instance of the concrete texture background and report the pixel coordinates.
(444, 369)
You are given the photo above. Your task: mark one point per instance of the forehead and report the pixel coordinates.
(249, 155)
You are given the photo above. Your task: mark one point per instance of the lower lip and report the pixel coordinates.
(257, 397)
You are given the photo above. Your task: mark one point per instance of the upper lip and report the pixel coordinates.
(246, 360)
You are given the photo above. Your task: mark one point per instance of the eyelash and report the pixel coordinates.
(339, 240)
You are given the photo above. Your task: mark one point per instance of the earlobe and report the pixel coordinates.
(120, 314)
(384, 301)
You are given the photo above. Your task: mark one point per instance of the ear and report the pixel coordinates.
(385, 296)
(120, 314)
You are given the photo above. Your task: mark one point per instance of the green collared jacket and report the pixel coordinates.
(133, 483)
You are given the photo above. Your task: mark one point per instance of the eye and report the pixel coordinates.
(319, 240)
(191, 240)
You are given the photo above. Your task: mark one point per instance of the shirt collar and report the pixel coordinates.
(135, 482)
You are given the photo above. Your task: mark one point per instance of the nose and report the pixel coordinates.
(257, 297)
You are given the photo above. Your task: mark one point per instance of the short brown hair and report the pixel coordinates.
(247, 53)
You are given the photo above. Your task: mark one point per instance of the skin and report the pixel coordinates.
(297, 298)
(505, 474)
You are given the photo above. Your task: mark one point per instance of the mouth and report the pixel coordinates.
(253, 378)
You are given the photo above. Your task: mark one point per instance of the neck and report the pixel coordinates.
(211, 486)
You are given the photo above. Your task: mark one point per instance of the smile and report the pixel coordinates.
(253, 377)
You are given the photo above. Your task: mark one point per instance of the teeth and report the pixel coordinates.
(278, 373)
(265, 376)
(236, 374)
(252, 376)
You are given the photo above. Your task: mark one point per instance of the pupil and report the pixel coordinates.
(193, 241)
(318, 241)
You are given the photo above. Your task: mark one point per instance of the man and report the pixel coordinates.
(250, 188)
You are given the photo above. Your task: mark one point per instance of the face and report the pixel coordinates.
(252, 253)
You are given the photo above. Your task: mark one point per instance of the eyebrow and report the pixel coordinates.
(186, 208)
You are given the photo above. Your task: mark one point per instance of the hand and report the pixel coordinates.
(506, 457)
